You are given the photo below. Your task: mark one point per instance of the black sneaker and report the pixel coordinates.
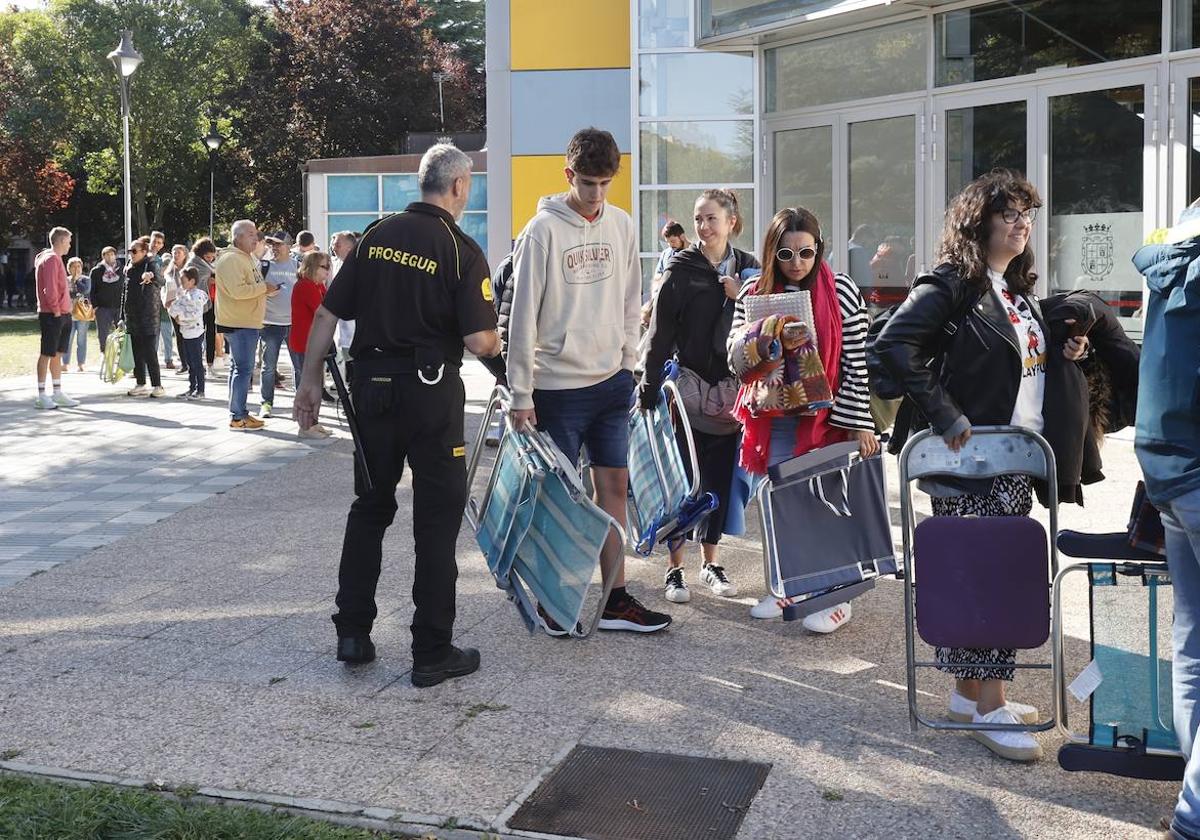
(355, 650)
(458, 663)
(629, 614)
(552, 627)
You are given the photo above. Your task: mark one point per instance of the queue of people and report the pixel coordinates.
(188, 300)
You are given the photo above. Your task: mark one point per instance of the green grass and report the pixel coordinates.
(37, 810)
(19, 340)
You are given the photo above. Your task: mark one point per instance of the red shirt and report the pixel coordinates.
(53, 295)
(306, 299)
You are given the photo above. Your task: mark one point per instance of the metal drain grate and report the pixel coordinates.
(609, 794)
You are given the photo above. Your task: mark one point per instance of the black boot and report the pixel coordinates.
(458, 663)
(355, 650)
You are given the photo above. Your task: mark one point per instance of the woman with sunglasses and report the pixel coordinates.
(307, 296)
(691, 320)
(794, 261)
(993, 372)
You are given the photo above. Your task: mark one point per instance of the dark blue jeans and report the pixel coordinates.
(193, 357)
(241, 343)
(596, 416)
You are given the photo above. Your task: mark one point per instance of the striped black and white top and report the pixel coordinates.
(852, 402)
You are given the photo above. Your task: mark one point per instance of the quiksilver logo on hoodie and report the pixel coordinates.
(588, 263)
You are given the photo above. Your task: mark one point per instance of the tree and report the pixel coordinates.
(342, 78)
(460, 24)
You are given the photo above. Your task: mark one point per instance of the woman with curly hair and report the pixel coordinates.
(993, 373)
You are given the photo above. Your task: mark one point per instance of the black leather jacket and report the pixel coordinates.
(981, 372)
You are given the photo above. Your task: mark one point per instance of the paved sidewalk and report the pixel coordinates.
(197, 649)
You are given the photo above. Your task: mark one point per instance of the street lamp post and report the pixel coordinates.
(440, 78)
(126, 59)
(213, 141)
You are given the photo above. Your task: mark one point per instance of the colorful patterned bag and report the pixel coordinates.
(778, 382)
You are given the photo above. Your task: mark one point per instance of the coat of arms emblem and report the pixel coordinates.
(1097, 250)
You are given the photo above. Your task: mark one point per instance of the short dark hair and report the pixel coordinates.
(191, 273)
(203, 246)
(305, 238)
(593, 151)
(672, 228)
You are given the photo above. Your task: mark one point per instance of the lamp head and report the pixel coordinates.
(125, 58)
(213, 140)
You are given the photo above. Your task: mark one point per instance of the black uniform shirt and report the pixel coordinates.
(415, 280)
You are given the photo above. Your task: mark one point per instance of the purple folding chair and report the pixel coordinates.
(977, 582)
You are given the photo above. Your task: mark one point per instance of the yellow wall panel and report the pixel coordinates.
(534, 176)
(569, 34)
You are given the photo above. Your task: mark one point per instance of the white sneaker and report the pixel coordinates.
(44, 401)
(962, 710)
(158, 393)
(265, 411)
(63, 400)
(676, 589)
(826, 621)
(714, 577)
(768, 607)
(1015, 746)
(139, 391)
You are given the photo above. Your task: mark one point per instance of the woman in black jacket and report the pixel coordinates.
(993, 372)
(692, 316)
(142, 307)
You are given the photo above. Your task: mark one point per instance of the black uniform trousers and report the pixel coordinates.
(401, 418)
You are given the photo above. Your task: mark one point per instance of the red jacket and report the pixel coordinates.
(52, 293)
(307, 296)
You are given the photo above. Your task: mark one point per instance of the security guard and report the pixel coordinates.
(418, 289)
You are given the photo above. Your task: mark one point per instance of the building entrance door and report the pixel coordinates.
(861, 172)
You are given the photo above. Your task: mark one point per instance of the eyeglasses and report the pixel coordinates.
(1010, 215)
(787, 254)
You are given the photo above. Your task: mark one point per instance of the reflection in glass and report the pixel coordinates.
(883, 209)
(804, 173)
(1096, 194)
(660, 205)
(856, 65)
(1021, 36)
(474, 225)
(1193, 145)
(399, 191)
(687, 84)
(721, 17)
(697, 152)
(352, 193)
(1186, 25)
(663, 23)
(353, 222)
(478, 197)
(981, 139)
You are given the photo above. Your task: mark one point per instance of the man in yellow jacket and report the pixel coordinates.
(241, 301)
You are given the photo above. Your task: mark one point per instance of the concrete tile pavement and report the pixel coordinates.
(205, 636)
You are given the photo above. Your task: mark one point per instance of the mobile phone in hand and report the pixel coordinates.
(1083, 326)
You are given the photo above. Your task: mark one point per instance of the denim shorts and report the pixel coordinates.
(596, 416)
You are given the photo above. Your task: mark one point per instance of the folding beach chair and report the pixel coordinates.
(827, 533)
(977, 581)
(1130, 732)
(663, 505)
(540, 533)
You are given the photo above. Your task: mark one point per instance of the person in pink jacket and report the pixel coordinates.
(54, 318)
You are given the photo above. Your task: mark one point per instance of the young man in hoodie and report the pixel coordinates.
(1168, 448)
(572, 342)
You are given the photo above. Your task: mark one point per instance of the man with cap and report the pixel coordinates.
(419, 289)
(279, 273)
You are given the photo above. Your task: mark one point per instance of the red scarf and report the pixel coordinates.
(812, 430)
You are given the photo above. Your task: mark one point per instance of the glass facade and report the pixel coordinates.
(982, 138)
(354, 201)
(723, 17)
(695, 153)
(696, 84)
(1021, 36)
(857, 65)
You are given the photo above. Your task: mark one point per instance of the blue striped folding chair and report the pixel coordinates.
(664, 506)
(540, 533)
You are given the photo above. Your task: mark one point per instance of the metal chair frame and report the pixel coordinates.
(992, 451)
(500, 403)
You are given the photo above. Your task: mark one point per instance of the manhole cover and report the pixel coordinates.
(609, 794)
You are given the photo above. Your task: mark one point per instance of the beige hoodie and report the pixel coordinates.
(577, 299)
